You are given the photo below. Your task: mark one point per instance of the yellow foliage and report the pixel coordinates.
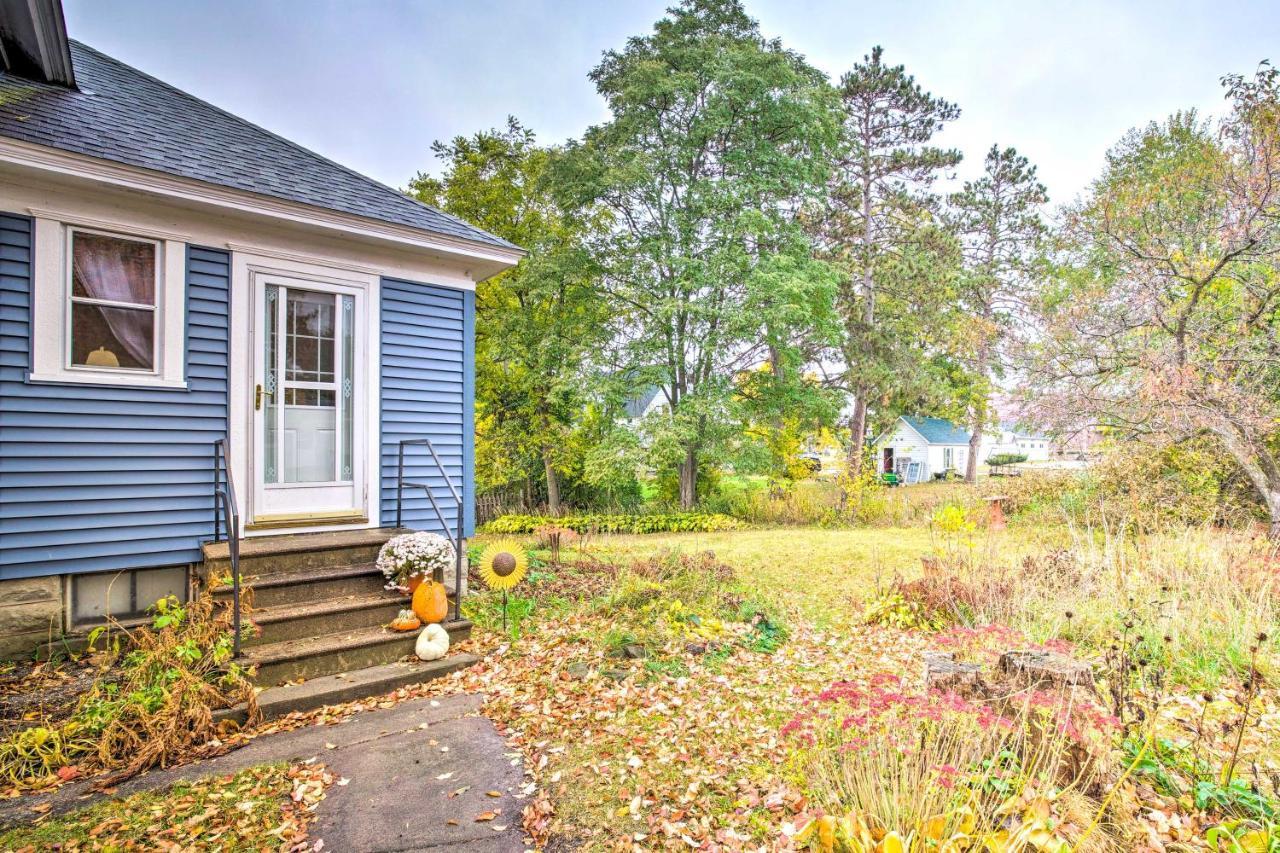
(856, 833)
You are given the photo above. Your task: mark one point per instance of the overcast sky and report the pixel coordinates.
(372, 84)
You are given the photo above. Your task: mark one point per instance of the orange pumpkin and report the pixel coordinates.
(406, 620)
(431, 602)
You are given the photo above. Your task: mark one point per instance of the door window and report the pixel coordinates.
(308, 384)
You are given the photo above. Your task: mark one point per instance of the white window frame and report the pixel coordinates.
(51, 309)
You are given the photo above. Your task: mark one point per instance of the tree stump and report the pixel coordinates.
(1039, 670)
(995, 511)
(943, 672)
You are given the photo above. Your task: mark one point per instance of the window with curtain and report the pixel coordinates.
(114, 287)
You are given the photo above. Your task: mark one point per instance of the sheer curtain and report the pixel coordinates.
(104, 274)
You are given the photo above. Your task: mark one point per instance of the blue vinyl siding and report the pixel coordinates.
(96, 478)
(428, 391)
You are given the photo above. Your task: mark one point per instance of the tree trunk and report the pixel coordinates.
(1272, 500)
(857, 434)
(858, 424)
(689, 479)
(553, 483)
(982, 365)
(975, 445)
(1262, 469)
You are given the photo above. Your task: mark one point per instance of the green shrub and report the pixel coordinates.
(1006, 459)
(667, 522)
(668, 485)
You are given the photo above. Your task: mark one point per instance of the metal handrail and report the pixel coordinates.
(444, 525)
(225, 513)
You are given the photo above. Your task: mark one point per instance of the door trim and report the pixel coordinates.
(242, 349)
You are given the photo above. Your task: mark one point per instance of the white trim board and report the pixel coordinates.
(50, 307)
(243, 346)
(486, 260)
(110, 208)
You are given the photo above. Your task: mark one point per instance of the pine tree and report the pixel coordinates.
(879, 223)
(997, 218)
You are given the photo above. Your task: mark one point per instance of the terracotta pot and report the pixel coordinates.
(414, 582)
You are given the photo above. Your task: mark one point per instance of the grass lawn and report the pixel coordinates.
(821, 575)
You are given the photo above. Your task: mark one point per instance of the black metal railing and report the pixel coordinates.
(226, 515)
(444, 525)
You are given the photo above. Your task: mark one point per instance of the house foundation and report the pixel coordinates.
(31, 613)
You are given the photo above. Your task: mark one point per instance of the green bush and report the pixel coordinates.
(1006, 459)
(668, 522)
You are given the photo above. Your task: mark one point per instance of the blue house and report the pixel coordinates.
(172, 276)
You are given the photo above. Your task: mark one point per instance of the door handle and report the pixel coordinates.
(257, 398)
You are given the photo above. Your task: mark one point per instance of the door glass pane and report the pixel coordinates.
(348, 383)
(270, 386)
(310, 422)
(309, 321)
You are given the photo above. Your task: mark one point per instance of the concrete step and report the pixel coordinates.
(298, 552)
(348, 686)
(273, 590)
(309, 657)
(328, 616)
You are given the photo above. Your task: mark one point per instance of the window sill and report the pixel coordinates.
(107, 380)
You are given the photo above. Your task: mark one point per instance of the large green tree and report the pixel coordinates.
(716, 137)
(879, 225)
(1163, 320)
(537, 324)
(997, 218)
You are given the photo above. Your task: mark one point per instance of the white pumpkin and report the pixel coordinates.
(433, 643)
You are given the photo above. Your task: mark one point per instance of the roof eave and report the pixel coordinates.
(484, 260)
(33, 41)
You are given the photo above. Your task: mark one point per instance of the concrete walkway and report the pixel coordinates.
(395, 799)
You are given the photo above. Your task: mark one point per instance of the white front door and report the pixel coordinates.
(309, 402)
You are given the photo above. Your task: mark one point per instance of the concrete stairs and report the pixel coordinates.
(320, 610)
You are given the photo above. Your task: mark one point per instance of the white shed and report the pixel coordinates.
(917, 449)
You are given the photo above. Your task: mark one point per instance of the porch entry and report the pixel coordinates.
(309, 403)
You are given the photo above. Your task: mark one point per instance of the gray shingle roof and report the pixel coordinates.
(636, 406)
(938, 430)
(128, 117)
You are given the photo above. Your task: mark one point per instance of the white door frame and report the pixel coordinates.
(244, 345)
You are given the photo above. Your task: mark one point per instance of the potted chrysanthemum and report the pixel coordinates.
(411, 558)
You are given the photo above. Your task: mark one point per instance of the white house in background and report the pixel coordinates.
(1012, 438)
(649, 400)
(917, 449)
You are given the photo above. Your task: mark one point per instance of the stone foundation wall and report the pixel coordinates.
(30, 614)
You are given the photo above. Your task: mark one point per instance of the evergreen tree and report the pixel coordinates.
(879, 225)
(997, 218)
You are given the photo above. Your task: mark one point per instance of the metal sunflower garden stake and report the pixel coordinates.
(502, 566)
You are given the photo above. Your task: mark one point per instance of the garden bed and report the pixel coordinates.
(42, 690)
